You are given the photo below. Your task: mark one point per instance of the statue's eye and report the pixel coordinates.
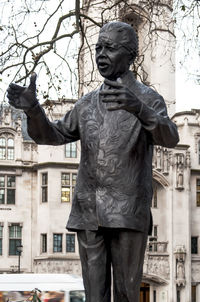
(98, 48)
(110, 48)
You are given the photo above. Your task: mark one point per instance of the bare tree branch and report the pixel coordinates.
(24, 49)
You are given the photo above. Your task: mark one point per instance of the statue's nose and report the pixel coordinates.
(102, 52)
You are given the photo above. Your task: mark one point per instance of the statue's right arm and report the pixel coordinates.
(43, 131)
(40, 129)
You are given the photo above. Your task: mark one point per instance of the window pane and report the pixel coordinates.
(67, 150)
(178, 295)
(13, 244)
(198, 184)
(15, 231)
(10, 153)
(74, 176)
(198, 199)
(44, 187)
(155, 231)
(155, 197)
(10, 142)
(10, 196)
(44, 179)
(70, 243)
(2, 153)
(2, 196)
(44, 243)
(11, 181)
(65, 195)
(154, 296)
(194, 245)
(194, 293)
(1, 231)
(2, 181)
(11, 232)
(44, 194)
(65, 179)
(57, 243)
(71, 150)
(198, 192)
(2, 142)
(0, 246)
(1, 236)
(18, 231)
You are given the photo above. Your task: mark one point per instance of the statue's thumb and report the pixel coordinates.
(32, 85)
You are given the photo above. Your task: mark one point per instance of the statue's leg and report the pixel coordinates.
(127, 253)
(96, 265)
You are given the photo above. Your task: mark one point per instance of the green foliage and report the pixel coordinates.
(34, 297)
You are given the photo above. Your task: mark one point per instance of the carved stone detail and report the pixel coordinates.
(179, 171)
(57, 266)
(26, 146)
(197, 140)
(18, 126)
(34, 147)
(7, 119)
(7, 134)
(188, 160)
(157, 265)
(161, 159)
(30, 146)
(180, 253)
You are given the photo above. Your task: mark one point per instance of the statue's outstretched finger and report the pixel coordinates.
(32, 85)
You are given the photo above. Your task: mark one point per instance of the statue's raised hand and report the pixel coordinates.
(22, 97)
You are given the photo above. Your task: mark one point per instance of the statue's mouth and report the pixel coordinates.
(103, 65)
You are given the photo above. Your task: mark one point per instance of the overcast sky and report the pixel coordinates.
(187, 89)
(187, 61)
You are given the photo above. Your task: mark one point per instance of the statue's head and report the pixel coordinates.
(116, 49)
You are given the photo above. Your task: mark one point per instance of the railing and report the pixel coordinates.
(157, 246)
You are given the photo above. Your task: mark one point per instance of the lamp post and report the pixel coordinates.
(19, 250)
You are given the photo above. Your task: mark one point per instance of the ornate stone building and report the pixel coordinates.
(171, 262)
(36, 182)
(36, 187)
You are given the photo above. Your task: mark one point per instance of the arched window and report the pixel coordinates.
(6, 147)
(10, 148)
(2, 148)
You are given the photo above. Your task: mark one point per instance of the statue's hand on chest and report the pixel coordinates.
(117, 96)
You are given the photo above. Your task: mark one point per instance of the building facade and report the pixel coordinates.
(36, 182)
(36, 189)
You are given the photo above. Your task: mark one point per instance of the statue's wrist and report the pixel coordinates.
(33, 105)
(136, 109)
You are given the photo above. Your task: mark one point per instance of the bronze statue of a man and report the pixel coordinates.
(117, 124)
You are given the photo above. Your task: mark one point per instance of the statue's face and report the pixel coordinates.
(111, 57)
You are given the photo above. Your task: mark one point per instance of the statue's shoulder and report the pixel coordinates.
(146, 91)
(149, 96)
(85, 99)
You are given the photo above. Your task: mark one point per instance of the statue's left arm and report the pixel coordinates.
(152, 114)
(155, 120)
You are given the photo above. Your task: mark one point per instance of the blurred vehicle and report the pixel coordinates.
(45, 287)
